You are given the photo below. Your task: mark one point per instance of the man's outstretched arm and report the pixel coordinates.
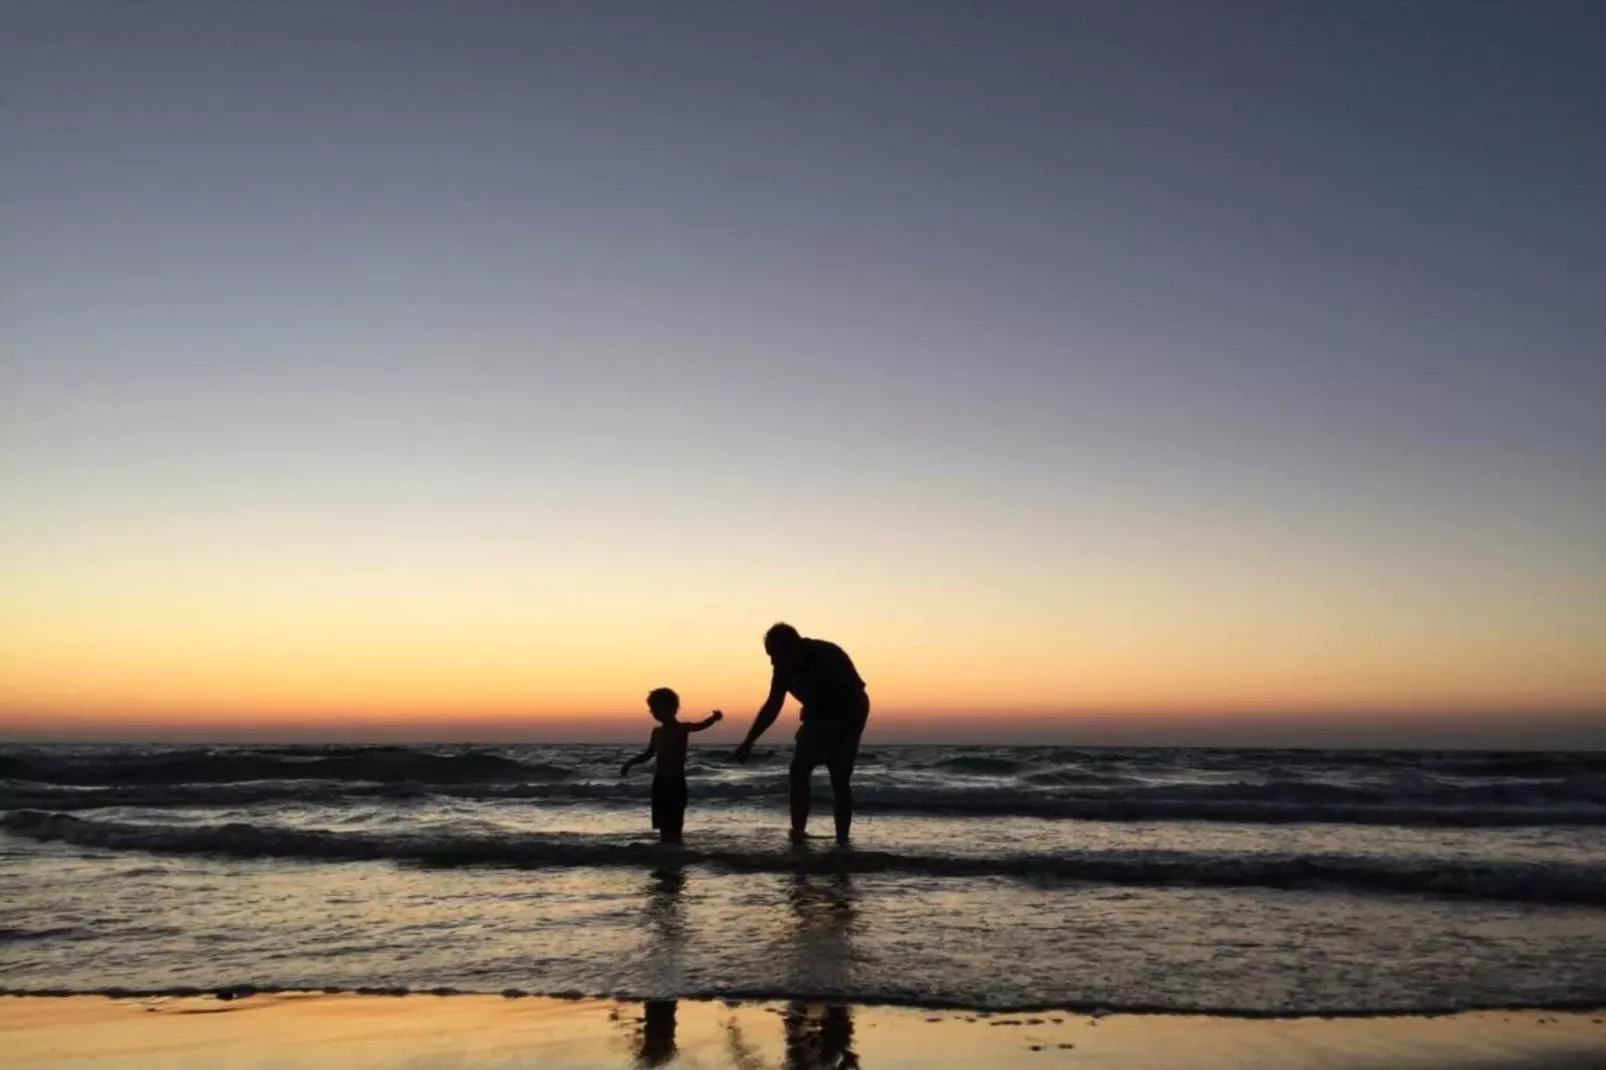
(765, 717)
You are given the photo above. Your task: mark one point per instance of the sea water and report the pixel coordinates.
(1259, 881)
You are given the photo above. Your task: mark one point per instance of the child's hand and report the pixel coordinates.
(719, 715)
(626, 770)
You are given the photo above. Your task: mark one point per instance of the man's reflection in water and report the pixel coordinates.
(820, 1036)
(655, 1043)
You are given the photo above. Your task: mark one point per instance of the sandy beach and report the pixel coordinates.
(422, 1031)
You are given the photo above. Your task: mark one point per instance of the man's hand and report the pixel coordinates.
(626, 770)
(718, 715)
(741, 753)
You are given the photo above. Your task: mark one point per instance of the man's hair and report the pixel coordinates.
(779, 636)
(662, 698)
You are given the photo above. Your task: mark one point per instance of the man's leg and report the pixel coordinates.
(805, 756)
(800, 776)
(844, 753)
(842, 798)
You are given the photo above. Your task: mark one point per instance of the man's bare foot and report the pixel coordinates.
(798, 837)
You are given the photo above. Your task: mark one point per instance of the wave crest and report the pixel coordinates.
(1234, 803)
(1526, 882)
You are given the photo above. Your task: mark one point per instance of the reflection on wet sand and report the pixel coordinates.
(817, 1033)
(309, 1031)
(825, 912)
(666, 925)
(665, 916)
(657, 1040)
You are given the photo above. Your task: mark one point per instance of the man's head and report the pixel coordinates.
(781, 642)
(663, 703)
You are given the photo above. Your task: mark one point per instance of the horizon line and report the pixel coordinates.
(783, 743)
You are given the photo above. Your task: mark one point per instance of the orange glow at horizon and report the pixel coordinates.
(235, 617)
(301, 673)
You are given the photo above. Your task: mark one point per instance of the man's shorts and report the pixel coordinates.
(668, 803)
(830, 739)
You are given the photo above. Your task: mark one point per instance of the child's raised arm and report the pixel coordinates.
(652, 748)
(708, 722)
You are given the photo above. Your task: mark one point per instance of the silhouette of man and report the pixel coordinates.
(835, 708)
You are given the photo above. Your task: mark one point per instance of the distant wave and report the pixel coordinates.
(58, 932)
(1556, 883)
(377, 764)
(984, 764)
(1276, 803)
(108, 766)
(1449, 789)
(1078, 778)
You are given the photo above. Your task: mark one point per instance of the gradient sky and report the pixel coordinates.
(1108, 371)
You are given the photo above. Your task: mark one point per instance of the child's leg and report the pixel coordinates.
(660, 806)
(674, 807)
(675, 819)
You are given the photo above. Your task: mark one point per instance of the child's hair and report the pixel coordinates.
(662, 700)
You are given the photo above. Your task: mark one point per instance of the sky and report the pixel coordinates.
(1126, 372)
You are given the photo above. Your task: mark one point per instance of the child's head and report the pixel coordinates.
(663, 703)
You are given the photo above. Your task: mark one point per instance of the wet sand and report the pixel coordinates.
(269, 1032)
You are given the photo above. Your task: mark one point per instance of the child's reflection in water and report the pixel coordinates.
(655, 1043)
(657, 1033)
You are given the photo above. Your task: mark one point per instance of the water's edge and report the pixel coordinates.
(230, 993)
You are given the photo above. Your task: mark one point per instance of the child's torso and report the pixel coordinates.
(672, 740)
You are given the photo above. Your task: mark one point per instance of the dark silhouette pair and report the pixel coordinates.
(835, 710)
(817, 1037)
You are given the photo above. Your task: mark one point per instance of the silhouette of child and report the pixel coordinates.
(668, 743)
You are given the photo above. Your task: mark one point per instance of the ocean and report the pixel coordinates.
(1237, 881)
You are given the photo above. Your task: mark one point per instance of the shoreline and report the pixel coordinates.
(314, 1029)
(237, 993)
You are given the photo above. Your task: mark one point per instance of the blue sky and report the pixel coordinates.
(975, 334)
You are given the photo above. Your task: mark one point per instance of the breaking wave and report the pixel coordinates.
(1524, 882)
(1275, 803)
(1449, 789)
